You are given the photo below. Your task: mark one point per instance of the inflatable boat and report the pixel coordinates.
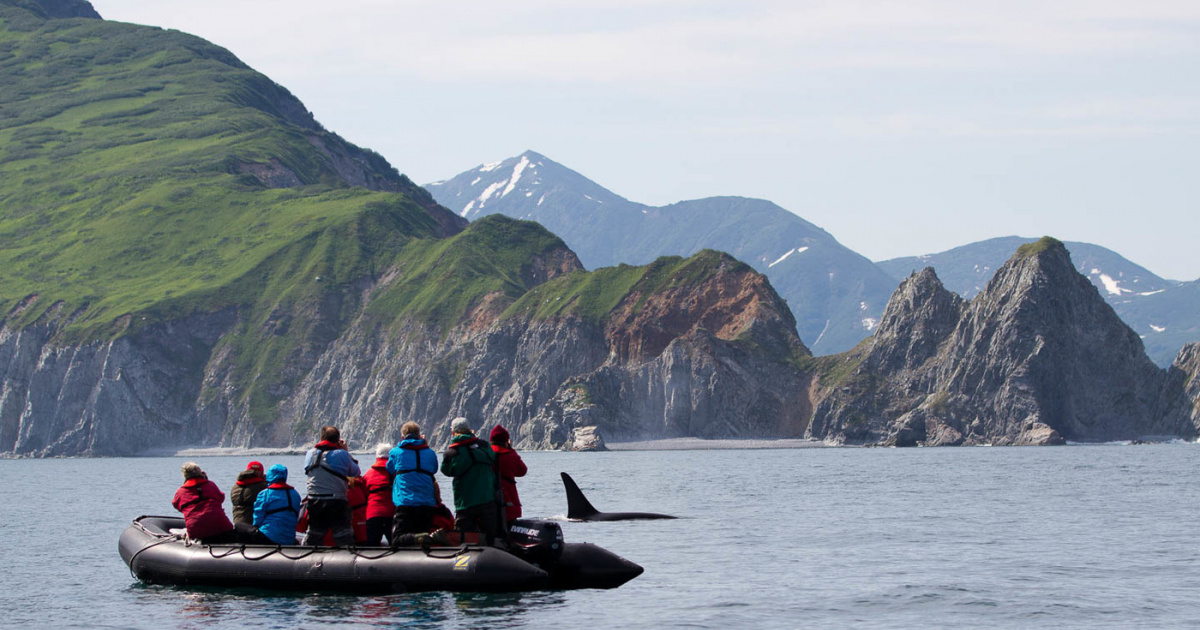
(158, 552)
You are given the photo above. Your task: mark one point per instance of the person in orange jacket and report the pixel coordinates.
(509, 466)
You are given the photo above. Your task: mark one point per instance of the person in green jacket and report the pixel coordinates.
(471, 462)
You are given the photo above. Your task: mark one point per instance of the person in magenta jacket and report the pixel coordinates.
(200, 501)
(509, 466)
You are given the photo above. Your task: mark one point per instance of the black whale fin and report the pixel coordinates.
(578, 507)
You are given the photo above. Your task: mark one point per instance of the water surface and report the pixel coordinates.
(1081, 537)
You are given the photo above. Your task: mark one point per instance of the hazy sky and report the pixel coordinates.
(902, 128)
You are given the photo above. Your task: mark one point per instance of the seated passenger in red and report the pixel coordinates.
(443, 518)
(200, 501)
(356, 495)
(380, 508)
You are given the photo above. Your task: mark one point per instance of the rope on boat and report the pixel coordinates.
(456, 552)
(139, 552)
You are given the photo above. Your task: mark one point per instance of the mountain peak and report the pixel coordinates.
(518, 186)
(1046, 245)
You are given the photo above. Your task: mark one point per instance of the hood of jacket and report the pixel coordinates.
(277, 474)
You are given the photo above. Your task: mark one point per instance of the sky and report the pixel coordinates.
(901, 127)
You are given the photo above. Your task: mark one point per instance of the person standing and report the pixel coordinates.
(277, 508)
(509, 466)
(329, 466)
(200, 501)
(381, 510)
(245, 490)
(471, 463)
(412, 465)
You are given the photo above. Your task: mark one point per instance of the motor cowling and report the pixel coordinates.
(537, 542)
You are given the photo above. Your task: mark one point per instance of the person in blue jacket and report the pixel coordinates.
(277, 508)
(413, 465)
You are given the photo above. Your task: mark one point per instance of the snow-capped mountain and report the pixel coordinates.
(836, 294)
(1166, 313)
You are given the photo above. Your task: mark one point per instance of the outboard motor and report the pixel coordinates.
(536, 542)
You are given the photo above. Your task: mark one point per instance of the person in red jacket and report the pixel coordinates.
(356, 495)
(200, 501)
(509, 466)
(380, 508)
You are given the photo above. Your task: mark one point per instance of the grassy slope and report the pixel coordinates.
(120, 199)
(442, 281)
(118, 190)
(596, 294)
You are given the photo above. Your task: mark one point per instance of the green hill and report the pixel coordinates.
(146, 174)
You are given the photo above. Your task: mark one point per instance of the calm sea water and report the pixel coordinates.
(1081, 536)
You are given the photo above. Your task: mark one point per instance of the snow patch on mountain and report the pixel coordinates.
(487, 168)
(516, 176)
(1158, 328)
(1110, 285)
(869, 323)
(796, 250)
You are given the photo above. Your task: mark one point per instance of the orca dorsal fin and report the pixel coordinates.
(578, 507)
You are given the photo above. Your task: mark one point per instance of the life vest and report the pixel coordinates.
(416, 448)
(319, 460)
(295, 509)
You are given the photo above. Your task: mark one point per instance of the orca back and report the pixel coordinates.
(578, 507)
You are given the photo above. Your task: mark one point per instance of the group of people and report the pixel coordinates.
(397, 498)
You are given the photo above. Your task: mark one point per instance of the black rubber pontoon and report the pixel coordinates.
(157, 556)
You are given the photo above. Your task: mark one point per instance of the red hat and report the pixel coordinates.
(499, 434)
(254, 466)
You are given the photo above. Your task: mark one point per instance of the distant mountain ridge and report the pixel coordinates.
(835, 294)
(1166, 313)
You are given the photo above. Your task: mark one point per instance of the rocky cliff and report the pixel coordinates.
(677, 354)
(1037, 358)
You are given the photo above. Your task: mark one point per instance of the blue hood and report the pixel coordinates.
(277, 474)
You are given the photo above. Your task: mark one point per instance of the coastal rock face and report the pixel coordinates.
(1180, 403)
(118, 397)
(676, 366)
(1037, 358)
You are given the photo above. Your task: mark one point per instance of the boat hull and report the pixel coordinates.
(157, 556)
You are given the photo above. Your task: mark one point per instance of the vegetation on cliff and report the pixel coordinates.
(595, 295)
(146, 174)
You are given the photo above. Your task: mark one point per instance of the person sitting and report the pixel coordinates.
(200, 501)
(329, 466)
(470, 461)
(412, 465)
(277, 508)
(380, 507)
(509, 466)
(443, 518)
(356, 496)
(245, 490)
